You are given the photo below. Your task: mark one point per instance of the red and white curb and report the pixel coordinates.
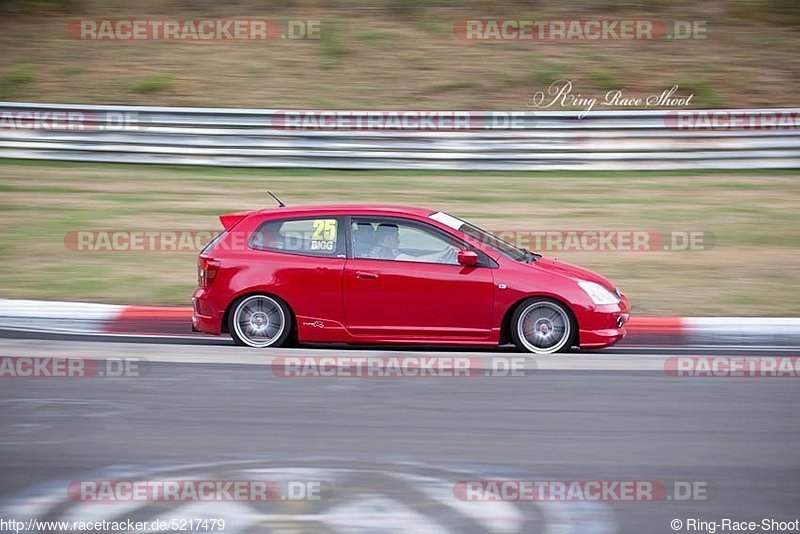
(54, 316)
(88, 318)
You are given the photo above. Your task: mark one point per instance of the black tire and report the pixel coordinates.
(553, 330)
(260, 321)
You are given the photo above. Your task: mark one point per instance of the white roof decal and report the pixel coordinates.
(453, 222)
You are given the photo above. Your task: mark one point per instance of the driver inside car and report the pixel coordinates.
(387, 247)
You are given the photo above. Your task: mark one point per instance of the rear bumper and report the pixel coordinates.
(605, 326)
(206, 317)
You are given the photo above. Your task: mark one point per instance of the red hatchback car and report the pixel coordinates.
(393, 275)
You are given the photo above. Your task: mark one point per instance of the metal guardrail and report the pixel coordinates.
(547, 140)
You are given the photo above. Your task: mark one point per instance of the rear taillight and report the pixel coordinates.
(206, 271)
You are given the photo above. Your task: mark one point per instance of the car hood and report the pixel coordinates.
(569, 270)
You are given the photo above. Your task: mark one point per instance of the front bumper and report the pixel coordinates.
(605, 325)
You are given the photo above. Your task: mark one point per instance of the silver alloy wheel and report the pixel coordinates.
(259, 321)
(544, 327)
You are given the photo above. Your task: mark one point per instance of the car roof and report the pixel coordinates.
(347, 209)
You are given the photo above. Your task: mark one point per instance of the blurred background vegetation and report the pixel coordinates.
(397, 54)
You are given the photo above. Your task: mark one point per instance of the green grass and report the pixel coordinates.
(14, 80)
(705, 93)
(257, 173)
(155, 83)
(332, 47)
(379, 38)
(454, 85)
(547, 73)
(18, 77)
(783, 12)
(605, 80)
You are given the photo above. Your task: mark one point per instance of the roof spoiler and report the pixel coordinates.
(230, 220)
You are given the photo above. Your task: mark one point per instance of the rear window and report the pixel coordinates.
(213, 242)
(316, 237)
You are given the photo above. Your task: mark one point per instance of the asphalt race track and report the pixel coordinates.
(391, 451)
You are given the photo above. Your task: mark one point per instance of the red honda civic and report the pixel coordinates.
(383, 274)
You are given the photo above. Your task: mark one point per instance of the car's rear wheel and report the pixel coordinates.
(260, 321)
(542, 326)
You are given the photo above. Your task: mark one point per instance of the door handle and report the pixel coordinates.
(364, 275)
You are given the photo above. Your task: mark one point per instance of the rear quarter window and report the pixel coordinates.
(315, 237)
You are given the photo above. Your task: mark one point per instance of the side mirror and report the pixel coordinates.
(468, 258)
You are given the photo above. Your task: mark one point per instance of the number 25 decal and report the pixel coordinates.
(324, 229)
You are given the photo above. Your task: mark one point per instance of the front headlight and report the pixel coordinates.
(598, 293)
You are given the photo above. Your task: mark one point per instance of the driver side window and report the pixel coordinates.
(384, 239)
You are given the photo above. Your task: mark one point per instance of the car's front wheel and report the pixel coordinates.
(542, 326)
(260, 321)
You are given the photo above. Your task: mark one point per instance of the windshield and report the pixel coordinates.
(503, 247)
